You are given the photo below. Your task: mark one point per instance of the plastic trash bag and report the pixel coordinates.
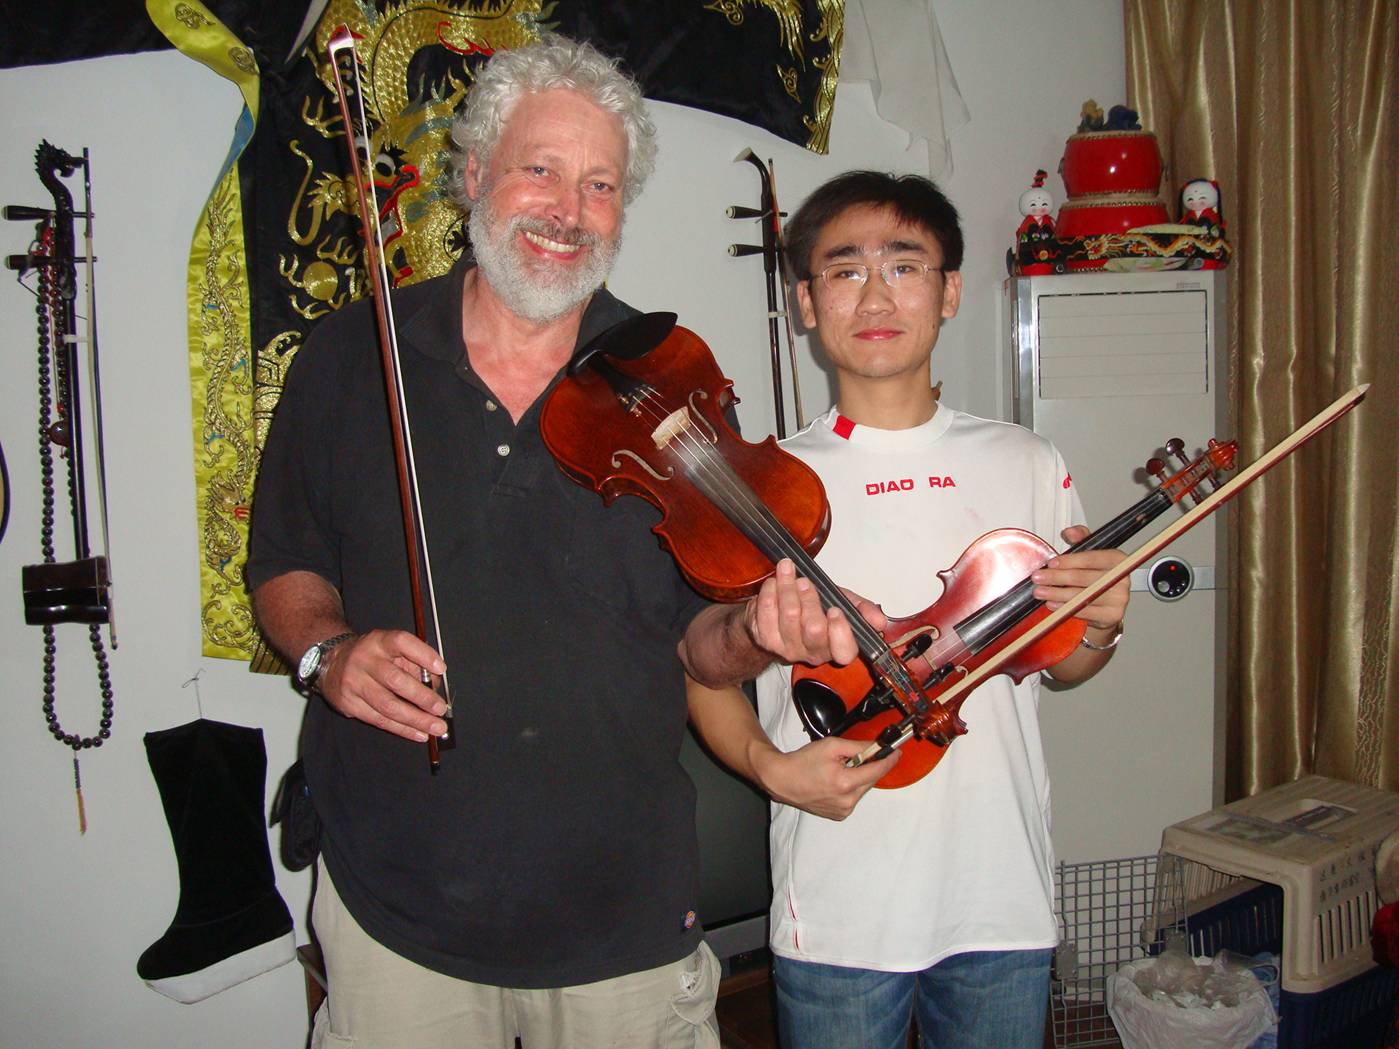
(1174, 1001)
(1268, 968)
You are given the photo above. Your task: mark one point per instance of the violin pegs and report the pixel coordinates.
(1176, 447)
(1157, 469)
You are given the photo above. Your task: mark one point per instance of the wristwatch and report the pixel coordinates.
(308, 671)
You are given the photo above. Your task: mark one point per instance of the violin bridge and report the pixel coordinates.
(674, 424)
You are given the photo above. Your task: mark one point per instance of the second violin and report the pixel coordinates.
(987, 603)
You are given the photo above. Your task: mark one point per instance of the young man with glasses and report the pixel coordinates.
(935, 899)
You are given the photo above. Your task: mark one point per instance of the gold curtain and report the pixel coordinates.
(1291, 105)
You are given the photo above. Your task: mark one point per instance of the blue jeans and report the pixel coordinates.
(977, 1000)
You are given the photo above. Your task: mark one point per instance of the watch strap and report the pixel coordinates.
(325, 648)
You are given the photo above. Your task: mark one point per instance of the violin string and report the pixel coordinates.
(732, 495)
(872, 643)
(724, 488)
(715, 466)
(382, 276)
(721, 490)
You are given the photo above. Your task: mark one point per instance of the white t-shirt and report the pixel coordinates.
(961, 860)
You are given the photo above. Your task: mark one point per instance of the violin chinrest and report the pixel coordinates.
(629, 339)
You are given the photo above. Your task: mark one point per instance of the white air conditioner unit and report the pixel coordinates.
(1109, 366)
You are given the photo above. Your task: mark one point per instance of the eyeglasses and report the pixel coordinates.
(849, 278)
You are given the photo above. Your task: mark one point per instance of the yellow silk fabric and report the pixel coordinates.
(1292, 107)
(220, 336)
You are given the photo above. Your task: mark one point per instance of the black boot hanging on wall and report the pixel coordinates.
(231, 923)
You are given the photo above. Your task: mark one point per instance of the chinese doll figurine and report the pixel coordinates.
(1035, 205)
(1037, 249)
(1199, 206)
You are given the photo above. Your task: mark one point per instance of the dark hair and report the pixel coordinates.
(914, 199)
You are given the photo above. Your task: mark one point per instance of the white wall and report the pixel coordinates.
(75, 912)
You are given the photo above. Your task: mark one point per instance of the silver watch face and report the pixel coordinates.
(310, 663)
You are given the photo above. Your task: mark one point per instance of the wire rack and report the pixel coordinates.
(1108, 915)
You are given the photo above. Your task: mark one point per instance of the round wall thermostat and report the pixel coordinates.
(1170, 578)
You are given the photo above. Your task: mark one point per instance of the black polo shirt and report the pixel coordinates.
(557, 844)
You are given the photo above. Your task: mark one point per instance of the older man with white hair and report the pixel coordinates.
(544, 884)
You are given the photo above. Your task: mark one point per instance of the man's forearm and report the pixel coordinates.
(718, 650)
(786, 621)
(369, 678)
(297, 610)
(727, 725)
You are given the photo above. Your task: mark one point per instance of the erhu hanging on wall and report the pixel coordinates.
(78, 590)
(775, 270)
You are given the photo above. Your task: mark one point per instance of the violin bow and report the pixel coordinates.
(951, 700)
(376, 269)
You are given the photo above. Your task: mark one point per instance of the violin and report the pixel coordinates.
(915, 725)
(987, 602)
(671, 444)
(641, 411)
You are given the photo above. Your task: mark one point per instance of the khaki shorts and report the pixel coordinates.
(380, 1000)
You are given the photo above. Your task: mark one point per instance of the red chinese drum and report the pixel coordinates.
(1091, 218)
(1111, 162)
(1112, 178)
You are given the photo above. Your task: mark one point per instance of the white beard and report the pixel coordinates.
(537, 290)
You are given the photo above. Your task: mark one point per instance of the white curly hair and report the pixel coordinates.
(553, 62)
